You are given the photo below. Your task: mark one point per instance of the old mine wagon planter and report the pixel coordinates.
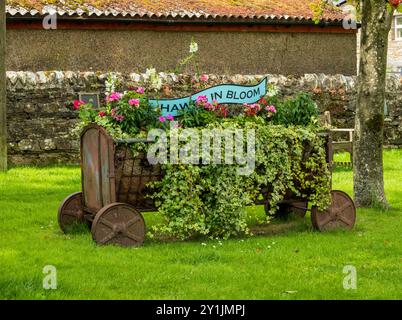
(114, 193)
(113, 190)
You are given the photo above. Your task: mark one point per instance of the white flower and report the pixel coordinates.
(193, 47)
(111, 83)
(150, 72)
(155, 82)
(272, 90)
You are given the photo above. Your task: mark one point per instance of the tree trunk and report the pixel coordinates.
(369, 123)
(3, 124)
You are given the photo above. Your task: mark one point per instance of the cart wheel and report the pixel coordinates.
(119, 223)
(70, 211)
(297, 208)
(340, 214)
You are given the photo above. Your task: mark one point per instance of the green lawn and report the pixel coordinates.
(287, 261)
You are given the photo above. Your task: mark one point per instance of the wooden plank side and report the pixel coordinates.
(91, 169)
(108, 192)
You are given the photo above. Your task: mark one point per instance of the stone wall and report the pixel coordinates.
(394, 49)
(40, 124)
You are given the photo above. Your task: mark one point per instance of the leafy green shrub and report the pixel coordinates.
(299, 110)
(194, 116)
(210, 199)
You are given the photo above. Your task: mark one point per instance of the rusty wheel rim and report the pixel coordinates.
(71, 212)
(340, 214)
(119, 224)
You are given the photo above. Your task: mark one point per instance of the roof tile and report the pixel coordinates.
(200, 9)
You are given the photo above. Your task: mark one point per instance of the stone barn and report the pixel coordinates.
(234, 36)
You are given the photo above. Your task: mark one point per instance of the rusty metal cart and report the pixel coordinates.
(114, 190)
(340, 214)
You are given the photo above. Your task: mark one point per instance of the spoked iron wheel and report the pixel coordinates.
(71, 212)
(119, 223)
(340, 214)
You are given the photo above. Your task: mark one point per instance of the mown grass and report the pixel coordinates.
(287, 260)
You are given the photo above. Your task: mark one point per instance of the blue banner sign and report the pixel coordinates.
(224, 93)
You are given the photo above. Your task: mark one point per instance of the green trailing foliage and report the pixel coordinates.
(210, 199)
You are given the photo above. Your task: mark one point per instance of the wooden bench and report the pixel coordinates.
(340, 145)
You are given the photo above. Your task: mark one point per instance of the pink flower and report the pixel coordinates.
(102, 114)
(134, 102)
(221, 111)
(270, 109)
(162, 119)
(208, 106)
(114, 96)
(215, 105)
(170, 117)
(78, 104)
(113, 112)
(119, 118)
(204, 78)
(251, 109)
(140, 90)
(201, 100)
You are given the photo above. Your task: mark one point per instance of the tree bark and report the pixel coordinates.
(369, 121)
(3, 124)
